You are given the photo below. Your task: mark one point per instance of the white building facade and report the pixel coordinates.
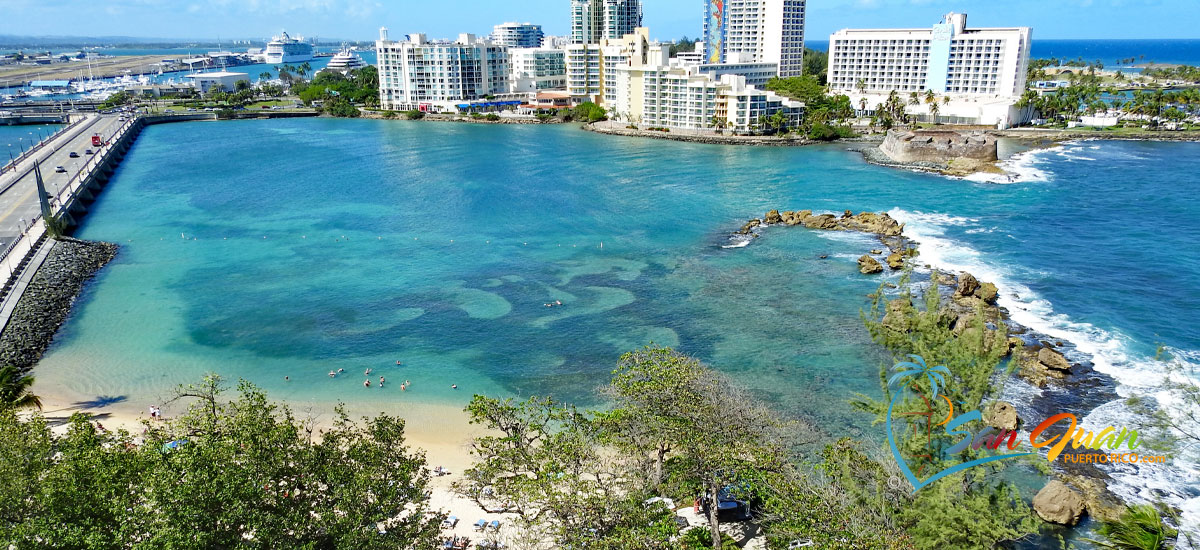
(640, 85)
(596, 20)
(537, 69)
(518, 35)
(436, 75)
(949, 58)
(763, 31)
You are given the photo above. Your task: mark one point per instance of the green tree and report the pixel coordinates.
(719, 436)
(548, 464)
(224, 474)
(1139, 528)
(15, 390)
(589, 112)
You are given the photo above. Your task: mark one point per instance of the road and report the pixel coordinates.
(18, 200)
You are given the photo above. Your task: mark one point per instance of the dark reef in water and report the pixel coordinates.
(48, 299)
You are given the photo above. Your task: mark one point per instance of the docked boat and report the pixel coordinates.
(344, 62)
(285, 49)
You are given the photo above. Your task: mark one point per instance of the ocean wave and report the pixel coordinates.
(1019, 168)
(1110, 353)
(739, 241)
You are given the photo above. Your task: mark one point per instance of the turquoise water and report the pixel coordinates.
(265, 249)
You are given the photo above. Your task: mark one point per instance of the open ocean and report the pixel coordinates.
(264, 249)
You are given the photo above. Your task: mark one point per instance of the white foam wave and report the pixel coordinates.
(1019, 168)
(1110, 352)
(739, 241)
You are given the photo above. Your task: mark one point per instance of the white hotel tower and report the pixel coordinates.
(948, 58)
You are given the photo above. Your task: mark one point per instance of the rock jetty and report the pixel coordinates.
(866, 222)
(48, 298)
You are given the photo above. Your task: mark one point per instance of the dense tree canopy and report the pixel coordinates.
(238, 474)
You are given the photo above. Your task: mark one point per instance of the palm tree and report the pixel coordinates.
(14, 390)
(264, 75)
(861, 85)
(934, 111)
(913, 99)
(907, 371)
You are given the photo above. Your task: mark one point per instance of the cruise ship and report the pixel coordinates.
(344, 62)
(285, 49)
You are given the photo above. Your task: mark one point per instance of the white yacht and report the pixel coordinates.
(285, 49)
(344, 62)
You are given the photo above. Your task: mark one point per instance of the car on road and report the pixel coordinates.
(60, 170)
(87, 152)
(74, 155)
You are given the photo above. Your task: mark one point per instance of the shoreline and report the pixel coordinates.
(442, 431)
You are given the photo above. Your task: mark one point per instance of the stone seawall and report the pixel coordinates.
(47, 301)
(710, 139)
(940, 146)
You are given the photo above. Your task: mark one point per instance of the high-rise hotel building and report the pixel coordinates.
(417, 73)
(755, 31)
(948, 58)
(596, 20)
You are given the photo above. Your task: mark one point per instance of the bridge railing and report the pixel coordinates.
(27, 153)
(91, 163)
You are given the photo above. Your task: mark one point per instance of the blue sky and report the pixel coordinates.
(667, 19)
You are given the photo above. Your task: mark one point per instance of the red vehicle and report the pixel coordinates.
(96, 142)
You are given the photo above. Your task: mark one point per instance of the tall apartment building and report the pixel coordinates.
(537, 69)
(948, 58)
(417, 73)
(596, 20)
(518, 35)
(634, 79)
(762, 31)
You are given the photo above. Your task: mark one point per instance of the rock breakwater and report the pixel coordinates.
(48, 299)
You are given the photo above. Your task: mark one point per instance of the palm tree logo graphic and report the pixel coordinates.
(907, 373)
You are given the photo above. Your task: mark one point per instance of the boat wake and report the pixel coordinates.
(1176, 483)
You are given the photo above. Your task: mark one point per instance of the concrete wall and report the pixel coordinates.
(939, 146)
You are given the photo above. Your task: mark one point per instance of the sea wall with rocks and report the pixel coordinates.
(47, 300)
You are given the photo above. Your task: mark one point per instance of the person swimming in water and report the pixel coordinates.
(366, 383)
(332, 374)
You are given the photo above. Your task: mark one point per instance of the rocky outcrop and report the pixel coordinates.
(866, 222)
(48, 298)
(1057, 503)
(868, 266)
(1040, 365)
(967, 285)
(1002, 416)
(1099, 502)
(988, 293)
(895, 260)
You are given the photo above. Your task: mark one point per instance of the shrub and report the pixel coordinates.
(491, 117)
(389, 114)
(698, 538)
(825, 132)
(414, 114)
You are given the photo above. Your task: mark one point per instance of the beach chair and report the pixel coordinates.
(494, 525)
(480, 525)
(449, 522)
